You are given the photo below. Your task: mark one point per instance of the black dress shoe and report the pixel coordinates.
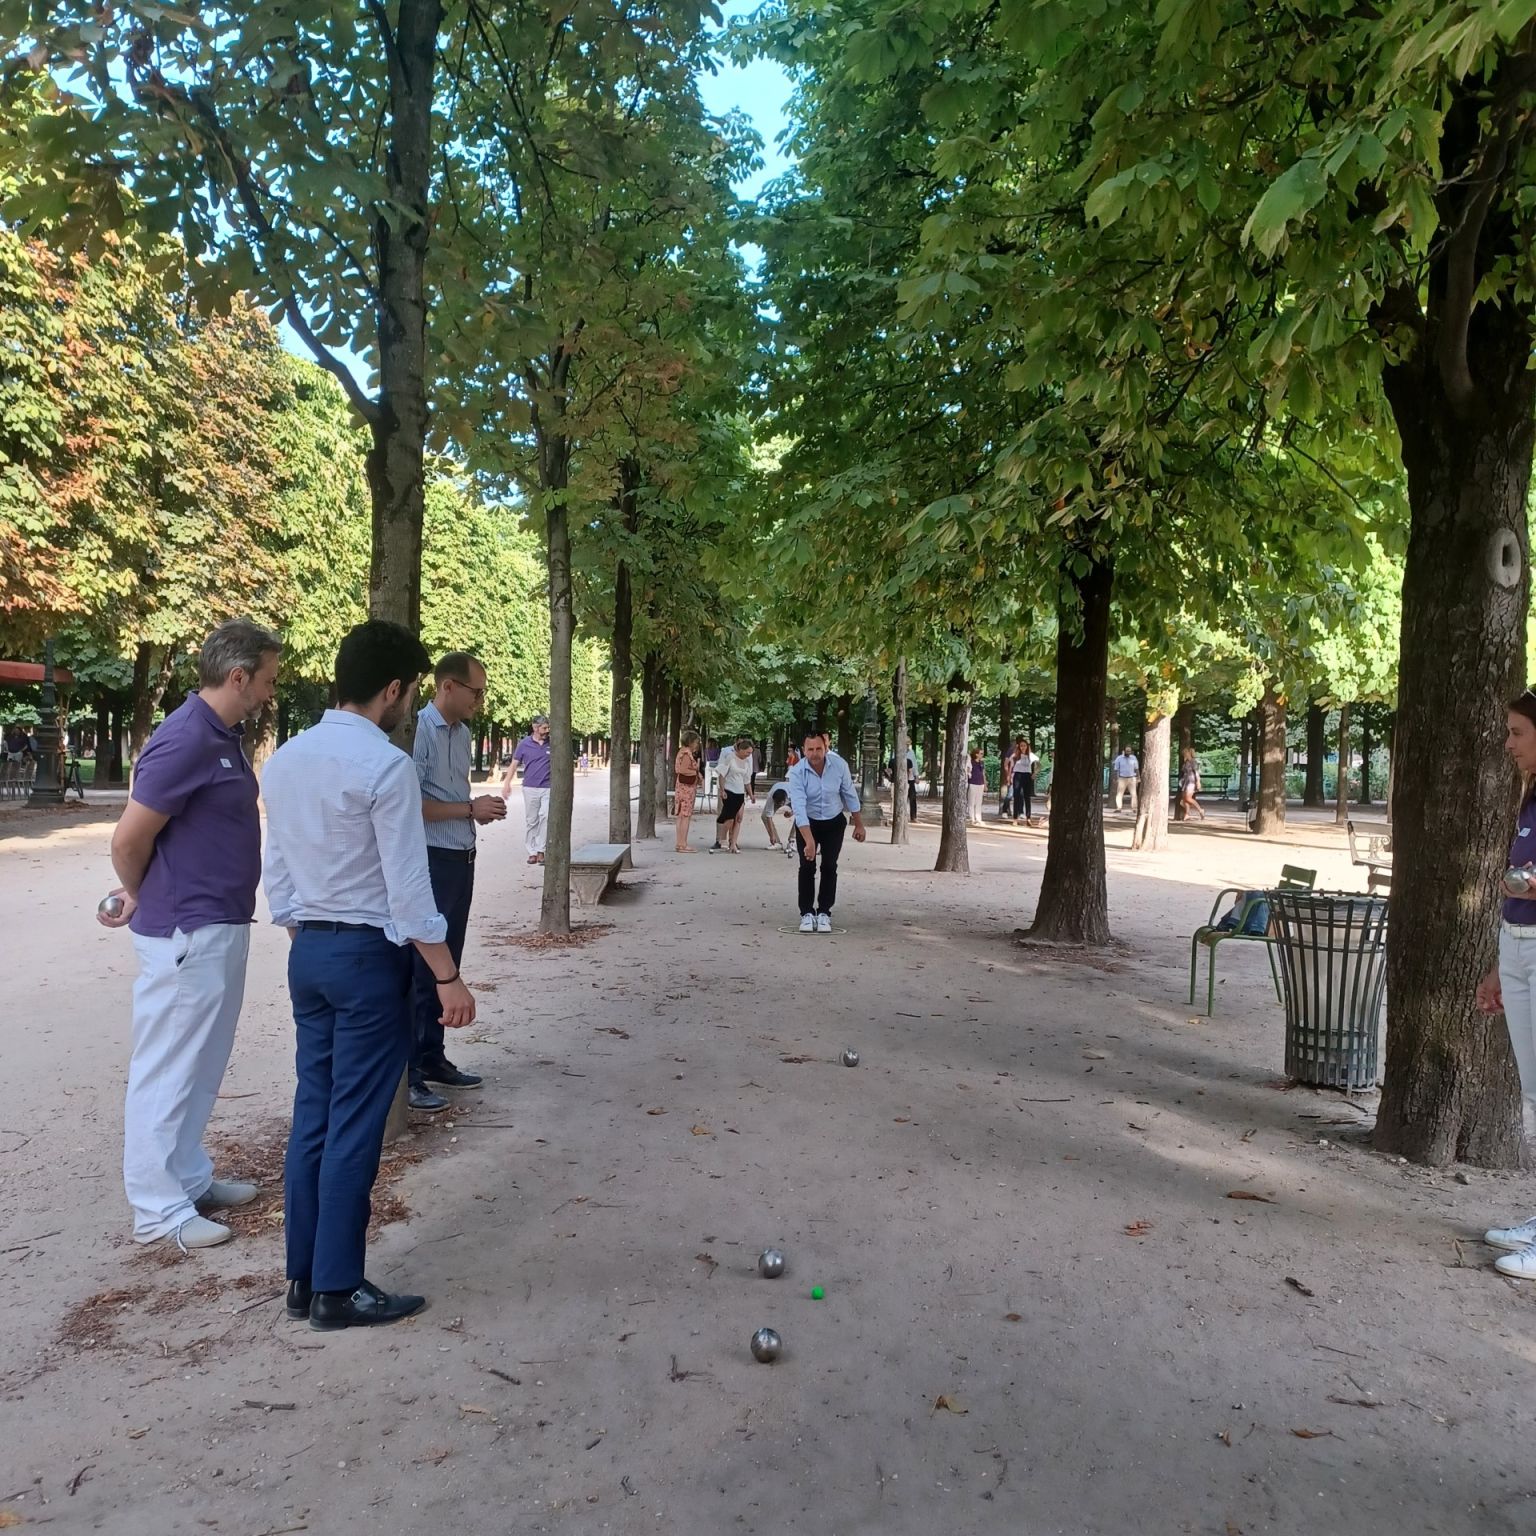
(366, 1307)
(299, 1298)
(446, 1075)
(423, 1098)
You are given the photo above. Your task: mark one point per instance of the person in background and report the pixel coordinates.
(1189, 785)
(911, 785)
(187, 850)
(532, 756)
(735, 786)
(1125, 769)
(976, 787)
(777, 799)
(687, 770)
(1022, 773)
(347, 876)
(443, 753)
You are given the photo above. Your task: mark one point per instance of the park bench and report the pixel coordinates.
(1292, 878)
(1215, 784)
(1376, 860)
(594, 868)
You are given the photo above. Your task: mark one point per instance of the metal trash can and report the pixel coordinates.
(1333, 972)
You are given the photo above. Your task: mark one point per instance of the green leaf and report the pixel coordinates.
(1295, 193)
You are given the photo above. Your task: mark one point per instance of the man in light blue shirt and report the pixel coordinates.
(443, 755)
(820, 791)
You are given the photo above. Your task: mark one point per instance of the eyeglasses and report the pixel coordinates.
(479, 692)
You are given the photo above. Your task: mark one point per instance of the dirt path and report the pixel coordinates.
(1043, 1310)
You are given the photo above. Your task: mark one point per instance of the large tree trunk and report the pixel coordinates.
(1450, 1090)
(674, 734)
(847, 730)
(261, 737)
(1184, 726)
(1244, 752)
(1151, 834)
(555, 907)
(933, 761)
(1271, 813)
(1341, 789)
(1004, 724)
(1366, 747)
(622, 666)
(954, 853)
(652, 714)
(899, 832)
(1317, 752)
(1074, 900)
(152, 669)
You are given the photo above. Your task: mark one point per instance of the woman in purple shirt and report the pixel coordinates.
(1510, 987)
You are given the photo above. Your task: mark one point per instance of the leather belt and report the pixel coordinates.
(321, 927)
(453, 855)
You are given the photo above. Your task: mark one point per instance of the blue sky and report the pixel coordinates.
(761, 89)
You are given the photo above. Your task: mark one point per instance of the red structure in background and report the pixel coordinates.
(32, 672)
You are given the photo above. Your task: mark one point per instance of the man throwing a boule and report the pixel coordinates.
(820, 792)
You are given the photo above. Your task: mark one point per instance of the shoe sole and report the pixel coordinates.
(297, 1316)
(462, 1087)
(1510, 1274)
(364, 1322)
(1506, 1247)
(428, 1109)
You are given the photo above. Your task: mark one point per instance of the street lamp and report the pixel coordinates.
(47, 787)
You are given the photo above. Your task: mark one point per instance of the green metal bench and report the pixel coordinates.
(1292, 878)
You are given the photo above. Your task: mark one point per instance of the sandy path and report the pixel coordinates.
(963, 1195)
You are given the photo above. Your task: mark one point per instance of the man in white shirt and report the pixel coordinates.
(346, 875)
(820, 790)
(737, 770)
(1125, 769)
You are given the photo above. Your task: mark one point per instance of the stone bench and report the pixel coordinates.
(594, 868)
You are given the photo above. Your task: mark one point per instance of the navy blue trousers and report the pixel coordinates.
(453, 887)
(351, 1006)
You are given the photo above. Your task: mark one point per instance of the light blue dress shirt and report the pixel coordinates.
(821, 796)
(442, 754)
(345, 838)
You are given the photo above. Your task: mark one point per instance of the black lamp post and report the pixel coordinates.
(869, 787)
(48, 787)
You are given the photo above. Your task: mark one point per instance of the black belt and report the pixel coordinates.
(316, 927)
(453, 855)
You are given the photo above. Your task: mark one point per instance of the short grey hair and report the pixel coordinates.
(235, 643)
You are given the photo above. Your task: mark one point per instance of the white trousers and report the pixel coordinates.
(1517, 981)
(185, 1005)
(536, 818)
(1121, 785)
(975, 794)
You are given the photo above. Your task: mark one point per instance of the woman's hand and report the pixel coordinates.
(1489, 994)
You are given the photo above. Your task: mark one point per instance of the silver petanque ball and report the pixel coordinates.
(850, 1058)
(110, 906)
(770, 1263)
(766, 1345)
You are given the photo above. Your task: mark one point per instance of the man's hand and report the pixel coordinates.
(809, 841)
(1489, 994)
(130, 906)
(484, 808)
(859, 833)
(458, 1004)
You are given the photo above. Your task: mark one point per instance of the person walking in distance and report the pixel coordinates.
(532, 756)
(347, 876)
(820, 791)
(443, 753)
(1125, 769)
(687, 769)
(1189, 785)
(1024, 764)
(187, 850)
(976, 787)
(736, 773)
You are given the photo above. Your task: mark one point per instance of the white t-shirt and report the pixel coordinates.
(1125, 766)
(735, 772)
(1026, 762)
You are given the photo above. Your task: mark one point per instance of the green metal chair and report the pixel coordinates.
(1292, 878)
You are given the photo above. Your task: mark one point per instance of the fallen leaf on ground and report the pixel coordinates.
(1138, 1229)
(655, 1111)
(1226, 1438)
(9, 1519)
(1097, 1055)
(1296, 1285)
(1248, 1194)
(948, 1404)
(1313, 1434)
(1355, 1402)
(1134, 1126)
(902, 1120)
(1013, 1317)
(702, 1130)
(794, 1061)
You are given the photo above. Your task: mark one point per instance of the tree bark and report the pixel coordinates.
(1341, 789)
(1244, 753)
(555, 905)
(954, 852)
(1074, 899)
(1450, 1089)
(1184, 725)
(847, 730)
(261, 738)
(899, 831)
(674, 733)
(933, 760)
(152, 669)
(650, 688)
(1004, 724)
(622, 665)
(1317, 751)
(1151, 834)
(1366, 746)
(1271, 730)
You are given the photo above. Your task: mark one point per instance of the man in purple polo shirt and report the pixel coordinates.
(188, 853)
(532, 756)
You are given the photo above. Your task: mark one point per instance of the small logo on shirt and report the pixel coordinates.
(226, 762)
(1525, 831)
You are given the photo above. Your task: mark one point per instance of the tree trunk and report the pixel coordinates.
(1184, 725)
(1004, 724)
(1341, 789)
(622, 666)
(899, 832)
(933, 760)
(674, 734)
(1112, 729)
(1366, 746)
(555, 906)
(1074, 900)
(652, 716)
(1450, 1090)
(261, 738)
(1244, 751)
(954, 853)
(1317, 751)
(1271, 812)
(847, 730)
(1151, 834)
(152, 668)
(103, 771)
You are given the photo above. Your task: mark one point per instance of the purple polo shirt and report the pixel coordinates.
(534, 756)
(207, 858)
(1519, 909)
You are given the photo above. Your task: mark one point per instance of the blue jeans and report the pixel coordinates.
(453, 886)
(351, 1006)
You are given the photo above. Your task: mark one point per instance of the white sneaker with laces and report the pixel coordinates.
(1519, 1266)
(199, 1232)
(823, 923)
(1515, 1239)
(807, 923)
(222, 1193)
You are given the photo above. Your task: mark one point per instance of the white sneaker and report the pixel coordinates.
(807, 924)
(1515, 1239)
(823, 923)
(222, 1193)
(1519, 1266)
(199, 1232)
